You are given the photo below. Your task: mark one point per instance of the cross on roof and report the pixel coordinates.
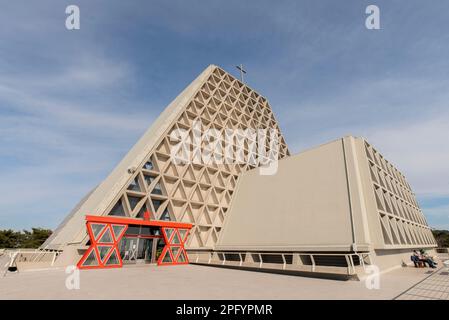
(242, 71)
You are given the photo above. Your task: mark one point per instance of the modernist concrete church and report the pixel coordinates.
(334, 209)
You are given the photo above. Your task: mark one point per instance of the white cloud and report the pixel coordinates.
(59, 137)
(438, 217)
(406, 119)
(421, 150)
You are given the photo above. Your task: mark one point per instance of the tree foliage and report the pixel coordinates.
(442, 238)
(23, 239)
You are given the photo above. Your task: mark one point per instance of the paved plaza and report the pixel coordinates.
(434, 287)
(203, 282)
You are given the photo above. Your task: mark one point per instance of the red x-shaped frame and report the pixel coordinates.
(105, 234)
(174, 252)
(103, 251)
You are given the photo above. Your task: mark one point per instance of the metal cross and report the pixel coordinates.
(242, 71)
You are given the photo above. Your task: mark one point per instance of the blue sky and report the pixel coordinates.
(72, 103)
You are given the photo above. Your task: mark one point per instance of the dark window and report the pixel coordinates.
(165, 216)
(149, 165)
(156, 204)
(149, 179)
(157, 189)
(134, 185)
(133, 229)
(118, 209)
(133, 201)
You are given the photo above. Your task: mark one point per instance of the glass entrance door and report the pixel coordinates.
(128, 249)
(141, 244)
(145, 250)
(138, 250)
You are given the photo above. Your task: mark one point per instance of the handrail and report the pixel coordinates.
(219, 257)
(35, 255)
(277, 253)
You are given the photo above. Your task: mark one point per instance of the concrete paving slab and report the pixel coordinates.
(199, 282)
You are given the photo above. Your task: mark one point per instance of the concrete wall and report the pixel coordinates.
(319, 200)
(373, 232)
(304, 206)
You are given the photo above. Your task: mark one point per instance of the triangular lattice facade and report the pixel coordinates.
(402, 221)
(197, 193)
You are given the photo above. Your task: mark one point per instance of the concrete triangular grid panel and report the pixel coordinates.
(195, 193)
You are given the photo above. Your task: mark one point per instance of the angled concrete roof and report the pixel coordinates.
(199, 194)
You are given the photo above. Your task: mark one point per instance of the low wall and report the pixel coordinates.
(70, 256)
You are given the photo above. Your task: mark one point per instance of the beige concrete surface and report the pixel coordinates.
(198, 282)
(303, 207)
(340, 196)
(434, 287)
(215, 98)
(320, 201)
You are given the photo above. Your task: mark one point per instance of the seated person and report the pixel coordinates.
(416, 259)
(424, 257)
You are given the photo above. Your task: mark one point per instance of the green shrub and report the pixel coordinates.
(23, 239)
(442, 238)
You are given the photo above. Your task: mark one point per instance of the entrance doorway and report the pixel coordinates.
(114, 240)
(138, 250)
(140, 245)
